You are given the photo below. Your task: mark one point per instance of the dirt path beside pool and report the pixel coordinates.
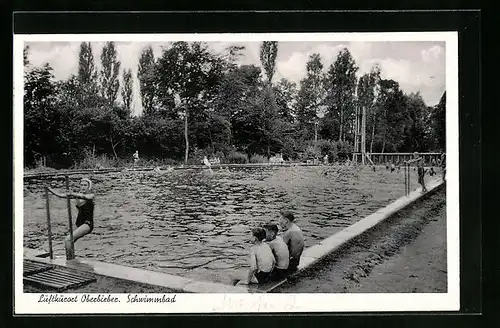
(404, 255)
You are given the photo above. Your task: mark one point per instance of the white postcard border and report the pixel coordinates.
(27, 303)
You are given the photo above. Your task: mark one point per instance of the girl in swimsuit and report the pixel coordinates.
(85, 205)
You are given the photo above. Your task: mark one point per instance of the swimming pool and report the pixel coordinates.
(196, 224)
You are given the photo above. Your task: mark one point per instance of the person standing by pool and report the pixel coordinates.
(136, 157)
(280, 251)
(442, 163)
(261, 260)
(207, 163)
(421, 174)
(293, 238)
(85, 206)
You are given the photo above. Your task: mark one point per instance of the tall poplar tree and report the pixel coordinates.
(109, 73)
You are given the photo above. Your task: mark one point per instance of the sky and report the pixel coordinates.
(417, 66)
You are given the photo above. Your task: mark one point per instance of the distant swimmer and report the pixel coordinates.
(85, 206)
(293, 238)
(261, 260)
(280, 251)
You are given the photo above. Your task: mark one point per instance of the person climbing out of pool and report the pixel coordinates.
(280, 251)
(421, 173)
(261, 260)
(293, 238)
(85, 206)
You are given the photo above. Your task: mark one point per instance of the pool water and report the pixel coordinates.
(196, 223)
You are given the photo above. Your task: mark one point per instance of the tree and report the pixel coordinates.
(367, 93)
(146, 75)
(127, 88)
(286, 96)
(416, 110)
(341, 84)
(190, 73)
(393, 120)
(109, 73)
(268, 53)
(439, 123)
(25, 55)
(311, 95)
(39, 116)
(234, 93)
(87, 76)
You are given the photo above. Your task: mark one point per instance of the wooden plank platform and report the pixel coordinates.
(59, 279)
(32, 267)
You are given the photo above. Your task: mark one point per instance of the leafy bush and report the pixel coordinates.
(256, 158)
(196, 156)
(344, 150)
(102, 161)
(235, 157)
(311, 153)
(327, 147)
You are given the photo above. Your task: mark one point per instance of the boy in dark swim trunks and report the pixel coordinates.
(293, 238)
(261, 260)
(280, 251)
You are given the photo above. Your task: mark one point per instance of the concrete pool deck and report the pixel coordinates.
(310, 256)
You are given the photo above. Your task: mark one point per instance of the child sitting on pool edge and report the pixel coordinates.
(261, 260)
(280, 251)
(293, 238)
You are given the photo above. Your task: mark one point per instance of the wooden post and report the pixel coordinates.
(70, 253)
(363, 134)
(404, 171)
(49, 228)
(409, 183)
